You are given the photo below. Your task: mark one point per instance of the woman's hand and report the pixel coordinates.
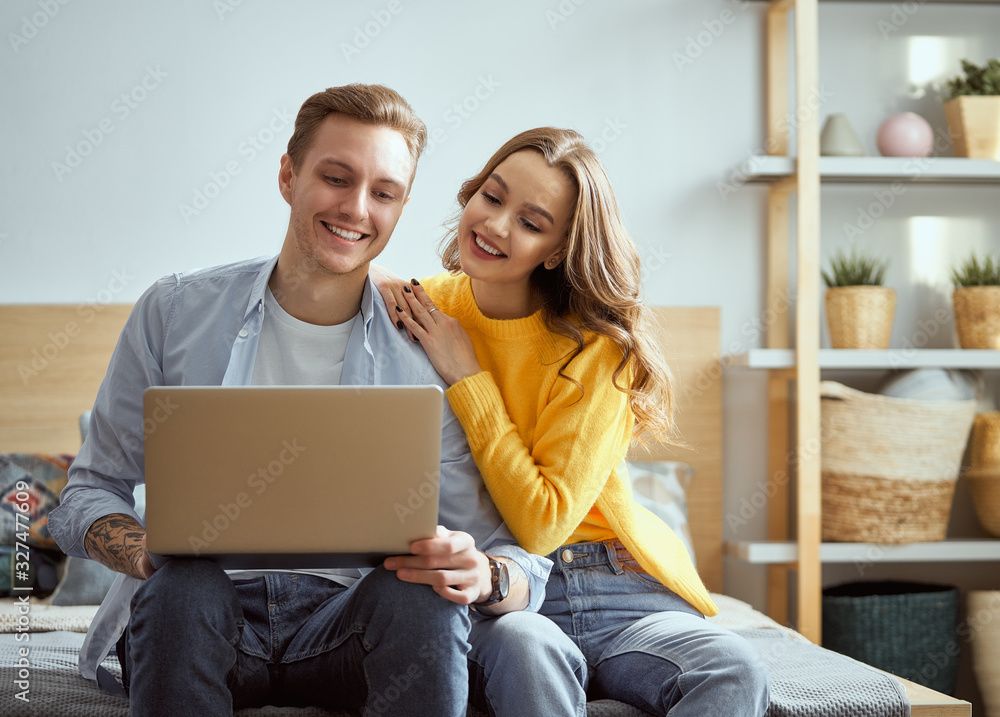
(447, 344)
(390, 287)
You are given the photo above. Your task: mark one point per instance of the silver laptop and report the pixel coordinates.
(270, 477)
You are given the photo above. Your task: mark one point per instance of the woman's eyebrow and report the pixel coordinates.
(533, 207)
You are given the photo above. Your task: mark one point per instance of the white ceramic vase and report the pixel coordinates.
(983, 619)
(839, 139)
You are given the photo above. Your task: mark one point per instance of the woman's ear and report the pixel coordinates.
(555, 259)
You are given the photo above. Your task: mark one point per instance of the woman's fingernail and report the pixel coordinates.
(414, 282)
(399, 324)
(399, 309)
(407, 290)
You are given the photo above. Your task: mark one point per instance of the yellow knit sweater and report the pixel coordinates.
(550, 455)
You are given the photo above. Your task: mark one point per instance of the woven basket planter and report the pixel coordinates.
(984, 623)
(908, 629)
(860, 317)
(974, 125)
(977, 316)
(889, 465)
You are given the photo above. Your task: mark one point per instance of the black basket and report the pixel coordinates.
(908, 629)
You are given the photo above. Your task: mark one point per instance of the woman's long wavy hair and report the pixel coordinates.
(596, 287)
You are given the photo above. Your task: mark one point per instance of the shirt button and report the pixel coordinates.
(567, 556)
(244, 333)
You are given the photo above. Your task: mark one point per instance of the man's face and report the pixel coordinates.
(346, 196)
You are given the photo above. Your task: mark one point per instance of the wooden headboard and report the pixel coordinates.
(53, 357)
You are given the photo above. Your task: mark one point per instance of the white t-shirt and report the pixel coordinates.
(291, 352)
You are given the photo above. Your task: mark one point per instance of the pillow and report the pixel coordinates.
(29, 488)
(86, 583)
(661, 487)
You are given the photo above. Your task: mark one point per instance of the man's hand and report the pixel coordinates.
(119, 542)
(449, 563)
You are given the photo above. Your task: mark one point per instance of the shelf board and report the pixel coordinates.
(869, 359)
(860, 170)
(929, 2)
(765, 552)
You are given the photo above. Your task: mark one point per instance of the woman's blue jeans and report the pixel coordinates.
(645, 645)
(199, 643)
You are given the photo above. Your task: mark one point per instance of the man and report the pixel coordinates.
(194, 640)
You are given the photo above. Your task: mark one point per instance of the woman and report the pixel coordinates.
(542, 337)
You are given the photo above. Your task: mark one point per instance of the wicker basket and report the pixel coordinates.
(860, 317)
(908, 629)
(977, 316)
(889, 465)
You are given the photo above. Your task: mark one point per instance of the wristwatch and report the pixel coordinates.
(500, 580)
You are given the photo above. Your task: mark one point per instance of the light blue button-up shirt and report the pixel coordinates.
(201, 329)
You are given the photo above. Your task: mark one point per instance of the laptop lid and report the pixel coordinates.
(269, 477)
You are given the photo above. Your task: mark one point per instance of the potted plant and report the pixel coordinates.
(976, 302)
(859, 310)
(973, 110)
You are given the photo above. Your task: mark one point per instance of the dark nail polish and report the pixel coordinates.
(414, 282)
(399, 324)
(399, 309)
(407, 290)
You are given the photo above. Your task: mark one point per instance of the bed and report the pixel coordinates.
(53, 357)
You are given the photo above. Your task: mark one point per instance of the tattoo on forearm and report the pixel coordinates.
(116, 541)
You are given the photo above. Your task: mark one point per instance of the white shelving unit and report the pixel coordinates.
(793, 175)
(865, 359)
(880, 170)
(767, 552)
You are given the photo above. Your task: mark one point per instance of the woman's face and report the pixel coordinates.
(517, 220)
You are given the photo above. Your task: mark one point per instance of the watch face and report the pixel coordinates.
(503, 582)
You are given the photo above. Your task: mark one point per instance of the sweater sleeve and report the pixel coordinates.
(545, 490)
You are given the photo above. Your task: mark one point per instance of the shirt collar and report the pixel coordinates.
(259, 290)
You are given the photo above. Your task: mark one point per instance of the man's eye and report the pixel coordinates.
(335, 180)
(384, 195)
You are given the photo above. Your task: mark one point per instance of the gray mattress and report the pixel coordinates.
(806, 680)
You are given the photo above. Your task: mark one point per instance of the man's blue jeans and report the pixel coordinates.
(645, 645)
(199, 643)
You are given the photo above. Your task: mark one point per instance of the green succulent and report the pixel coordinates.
(977, 81)
(976, 271)
(855, 269)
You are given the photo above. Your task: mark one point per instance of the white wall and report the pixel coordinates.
(669, 91)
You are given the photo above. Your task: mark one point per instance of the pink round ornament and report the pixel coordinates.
(905, 135)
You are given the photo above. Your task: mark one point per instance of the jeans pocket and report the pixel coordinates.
(634, 570)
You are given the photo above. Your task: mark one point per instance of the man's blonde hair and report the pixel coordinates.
(372, 104)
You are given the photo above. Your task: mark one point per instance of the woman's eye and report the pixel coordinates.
(529, 226)
(490, 198)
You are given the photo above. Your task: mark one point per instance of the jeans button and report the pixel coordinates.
(567, 556)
